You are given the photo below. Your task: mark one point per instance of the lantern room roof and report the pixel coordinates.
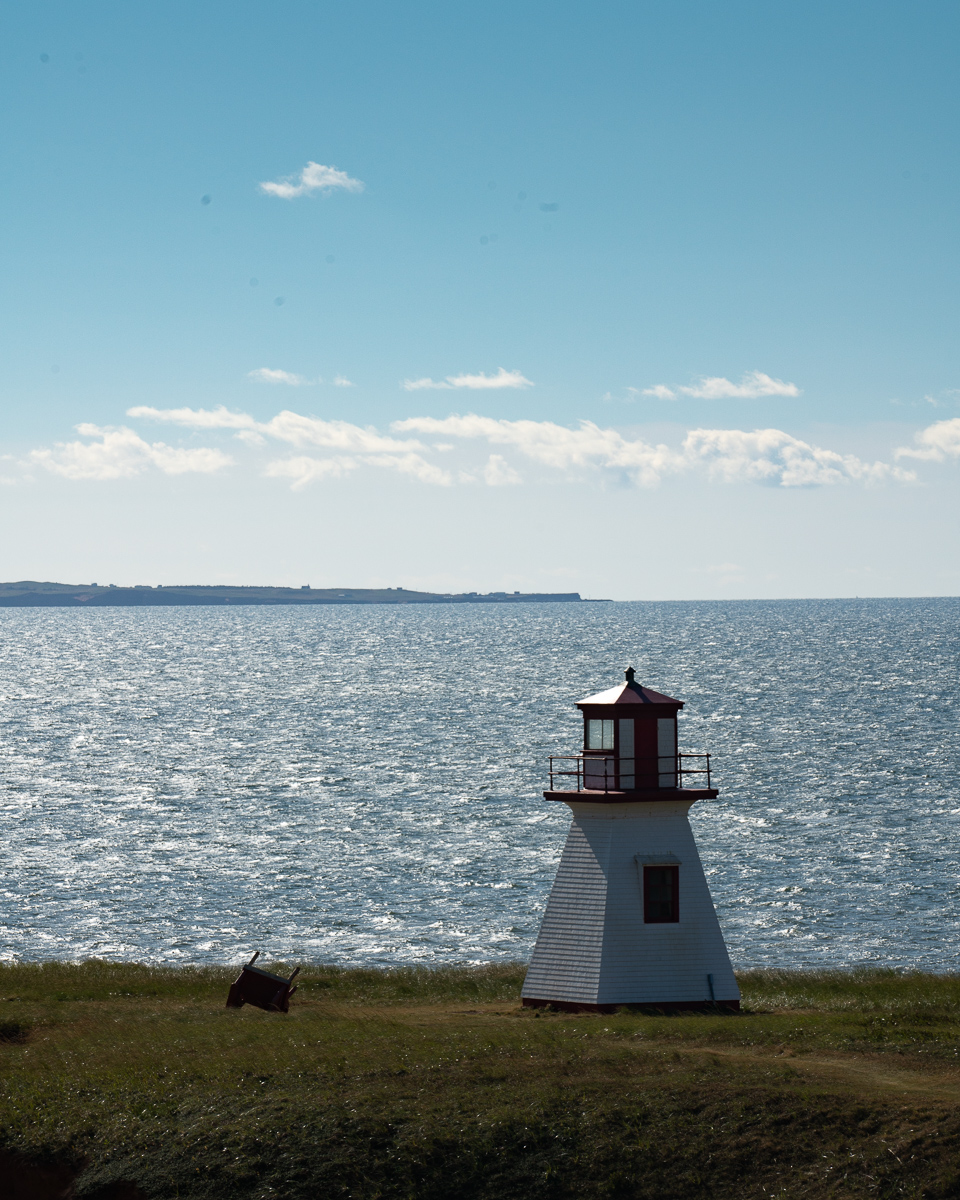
(629, 692)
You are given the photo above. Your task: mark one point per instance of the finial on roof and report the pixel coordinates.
(629, 674)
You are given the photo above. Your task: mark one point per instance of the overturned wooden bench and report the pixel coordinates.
(258, 987)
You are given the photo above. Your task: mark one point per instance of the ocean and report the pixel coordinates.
(362, 784)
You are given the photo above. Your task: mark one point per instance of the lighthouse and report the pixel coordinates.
(630, 919)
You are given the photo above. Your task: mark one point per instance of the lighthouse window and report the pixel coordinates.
(628, 779)
(661, 895)
(667, 751)
(599, 735)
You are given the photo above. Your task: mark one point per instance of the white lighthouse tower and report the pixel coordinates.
(630, 919)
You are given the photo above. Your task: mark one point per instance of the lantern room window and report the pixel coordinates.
(599, 735)
(661, 895)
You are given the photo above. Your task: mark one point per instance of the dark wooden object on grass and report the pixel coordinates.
(256, 986)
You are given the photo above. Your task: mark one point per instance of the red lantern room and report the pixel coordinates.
(630, 751)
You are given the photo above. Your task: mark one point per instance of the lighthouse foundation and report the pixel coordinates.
(630, 920)
(678, 1006)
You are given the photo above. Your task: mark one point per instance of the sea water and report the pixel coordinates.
(364, 784)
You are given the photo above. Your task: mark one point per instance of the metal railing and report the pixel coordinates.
(606, 773)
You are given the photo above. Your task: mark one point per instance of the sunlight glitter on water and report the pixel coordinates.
(362, 784)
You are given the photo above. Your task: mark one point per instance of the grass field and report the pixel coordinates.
(435, 1084)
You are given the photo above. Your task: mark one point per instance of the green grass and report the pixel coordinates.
(435, 1084)
(95, 980)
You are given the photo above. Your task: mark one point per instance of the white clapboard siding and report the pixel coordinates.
(594, 947)
(568, 955)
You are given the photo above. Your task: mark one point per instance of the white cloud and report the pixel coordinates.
(936, 443)
(302, 470)
(730, 456)
(502, 379)
(764, 456)
(499, 473)
(195, 418)
(332, 435)
(271, 375)
(268, 375)
(122, 454)
(286, 426)
(352, 444)
(557, 446)
(772, 456)
(412, 464)
(753, 385)
(313, 178)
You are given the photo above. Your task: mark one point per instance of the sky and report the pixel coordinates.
(645, 301)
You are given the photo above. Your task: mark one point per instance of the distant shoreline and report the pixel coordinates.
(31, 594)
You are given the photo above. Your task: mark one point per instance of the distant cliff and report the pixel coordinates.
(29, 594)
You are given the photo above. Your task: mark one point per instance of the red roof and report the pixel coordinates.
(629, 692)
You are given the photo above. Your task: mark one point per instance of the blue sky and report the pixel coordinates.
(721, 235)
